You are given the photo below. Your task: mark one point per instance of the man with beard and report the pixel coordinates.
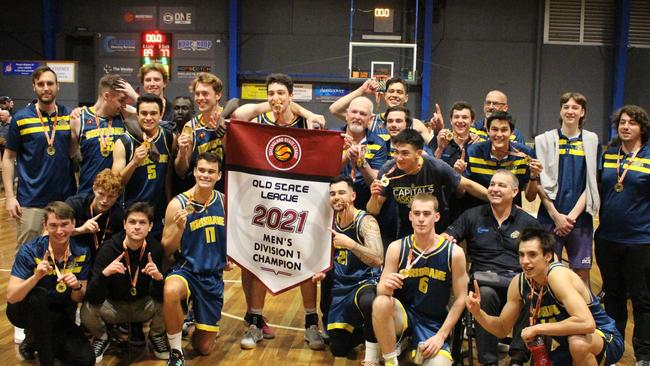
(495, 101)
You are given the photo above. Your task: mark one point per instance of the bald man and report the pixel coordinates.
(495, 100)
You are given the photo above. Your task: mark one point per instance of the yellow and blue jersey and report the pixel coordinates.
(480, 129)
(349, 271)
(147, 183)
(42, 178)
(427, 285)
(267, 119)
(203, 242)
(378, 127)
(204, 140)
(31, 254)
(93, 160)
(481, 165)
(625, 215)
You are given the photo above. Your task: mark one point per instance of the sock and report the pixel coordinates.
(390, 359)
(176, 341)
(311, 317)
(256, 318)
(372, 352)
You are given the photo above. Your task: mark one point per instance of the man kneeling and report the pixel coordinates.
(560, 304)
(126, 283)
(419, 274)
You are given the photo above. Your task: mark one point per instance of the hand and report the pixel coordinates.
(115, 266)
(449, 238)
(432, 346)
(70, 280)
(393, 281)
(213, 119)
(90, 226)
(529, 334)
(341, 240)
(441, 137)
(535, 167)
(354, 152)
(369, 86)
(13, 207)
(44, 267)
(126, 88)
(376, 188)
(436, 122)
(347, 141)
(474, 138)
(76, 113)
(563, 224)
(229, 266)
(460, 165)
(184, 144)
(473, 300)
(151, 269)
(140, 154)
(317, 122)
(317, 277)
(180, 218)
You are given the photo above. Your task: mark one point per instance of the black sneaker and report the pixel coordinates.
(26, 351)
(100, 346)
(136, 335)
(176, 358)
(159, 346)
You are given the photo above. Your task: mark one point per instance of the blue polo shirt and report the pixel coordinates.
(479, 128)
(481, 165)
(625, 216)
(32, 252)
(572, 179)
(42, 178)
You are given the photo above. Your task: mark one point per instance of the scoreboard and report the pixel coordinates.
(156, 47)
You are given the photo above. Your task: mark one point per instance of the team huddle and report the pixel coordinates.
(121, 214)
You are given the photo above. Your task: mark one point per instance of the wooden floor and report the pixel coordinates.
(284, 311)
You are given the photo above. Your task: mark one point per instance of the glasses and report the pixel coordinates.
(493, 103)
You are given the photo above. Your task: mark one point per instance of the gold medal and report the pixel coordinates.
(50, 150)
(146, 145)
(105, 151)
(61, 287)
(449, 136)
(618, 187)
(189, 208)
(384, 181)
(133, 291)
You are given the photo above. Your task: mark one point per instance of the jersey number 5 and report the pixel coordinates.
(151, 172)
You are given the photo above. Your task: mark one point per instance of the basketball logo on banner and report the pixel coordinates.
(283, 152)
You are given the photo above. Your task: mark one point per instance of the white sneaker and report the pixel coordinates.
(313, 338)
(251, 337)
(19, 335)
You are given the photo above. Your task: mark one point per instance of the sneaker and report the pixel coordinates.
(26, 351)
(313, 338)
(267, 332)
(136, 337)
(159, 346)
(188, 324)
(401, 346)
(503, 347)
(176, 358)
(325, 336)
(123, 328)
(251, 337)
(100, 346)
(369, 363)
(19, 335)
(643, 363)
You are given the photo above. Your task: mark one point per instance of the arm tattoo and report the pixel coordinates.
(372, 249)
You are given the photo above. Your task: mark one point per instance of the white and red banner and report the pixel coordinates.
(278, 210)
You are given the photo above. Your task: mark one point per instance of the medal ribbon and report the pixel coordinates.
(66, 254)
(620, 177)
(133, 278)
(103, 139)
(48, 137)
(534, 311)
(204, 206)
(387, 178)
(108, 220)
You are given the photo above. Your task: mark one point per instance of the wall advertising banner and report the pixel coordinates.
(278, 210)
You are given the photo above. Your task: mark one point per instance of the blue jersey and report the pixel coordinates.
(427, 286)
(147, 184)
(31, 254)
(267, 119)
(375, 156)
(625, 215)
(572, 179)
(42, 178)
(349, 271)
(203, 243)
(94, 156)
(479, 128)
(204, 140)
(378, 127)
(481, 165)
(552, 310)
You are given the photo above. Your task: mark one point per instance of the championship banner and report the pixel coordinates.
(278, 210)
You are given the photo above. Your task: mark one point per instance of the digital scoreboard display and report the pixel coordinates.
(156, 47)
